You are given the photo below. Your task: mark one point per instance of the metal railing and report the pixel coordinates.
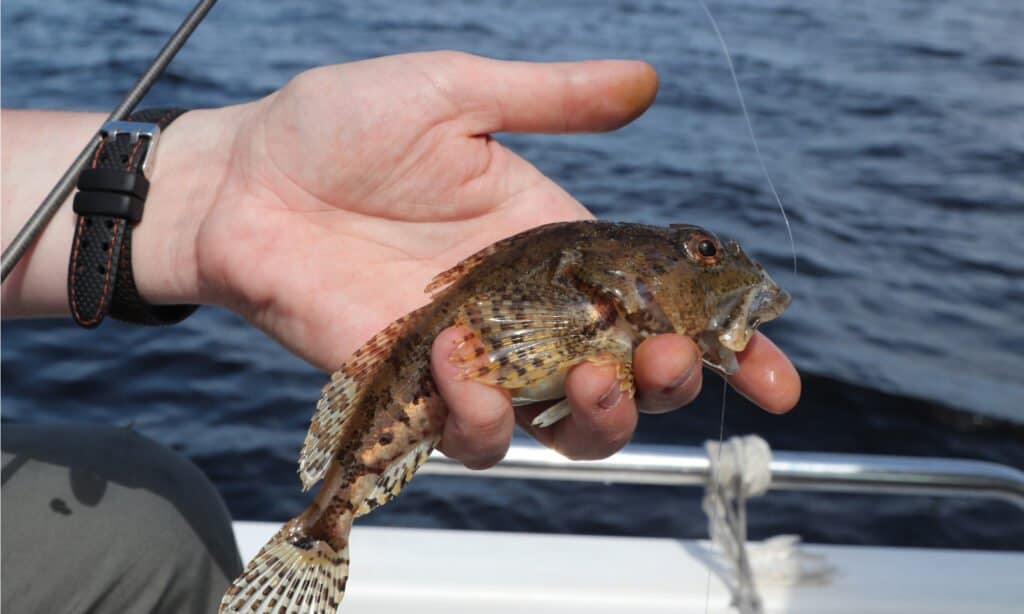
(802, 471)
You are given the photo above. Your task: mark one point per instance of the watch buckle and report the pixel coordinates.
(137, 130)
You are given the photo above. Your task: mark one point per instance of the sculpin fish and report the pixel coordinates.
(535, 304)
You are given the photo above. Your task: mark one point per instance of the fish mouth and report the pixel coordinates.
(737, 317)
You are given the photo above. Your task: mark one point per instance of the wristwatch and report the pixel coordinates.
(109, 203)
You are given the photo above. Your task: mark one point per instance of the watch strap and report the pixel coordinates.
(110, 201)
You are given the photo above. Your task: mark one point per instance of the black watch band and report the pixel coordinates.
(109, 202)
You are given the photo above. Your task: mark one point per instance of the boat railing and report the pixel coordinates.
(799, 471)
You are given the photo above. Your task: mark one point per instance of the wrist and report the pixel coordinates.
(190, 166)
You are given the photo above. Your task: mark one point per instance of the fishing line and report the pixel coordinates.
(789, 233)
(750, 129)
(714, 477)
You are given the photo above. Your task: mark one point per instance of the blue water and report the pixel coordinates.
(894, 133)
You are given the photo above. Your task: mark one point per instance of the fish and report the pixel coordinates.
(533, 305)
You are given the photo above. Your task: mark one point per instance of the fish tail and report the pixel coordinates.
(295, 572)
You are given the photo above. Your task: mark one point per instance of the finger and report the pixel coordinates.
(602, 421)
(589, 96)
(668, 373)
(766, 376)
(480, 422)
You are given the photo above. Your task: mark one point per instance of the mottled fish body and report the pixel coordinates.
(536, 304)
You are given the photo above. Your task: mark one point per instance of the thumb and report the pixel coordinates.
(588, 96)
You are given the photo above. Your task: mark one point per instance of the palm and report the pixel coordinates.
(354, 175)
(347, 190)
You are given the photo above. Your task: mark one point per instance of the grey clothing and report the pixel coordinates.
(103, 520)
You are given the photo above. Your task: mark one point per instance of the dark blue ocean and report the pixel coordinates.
(894, 132)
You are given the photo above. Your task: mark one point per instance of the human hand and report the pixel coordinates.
(339, 196)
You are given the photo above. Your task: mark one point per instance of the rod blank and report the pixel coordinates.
(51, 204)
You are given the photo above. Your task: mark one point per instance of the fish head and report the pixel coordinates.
(716, 294)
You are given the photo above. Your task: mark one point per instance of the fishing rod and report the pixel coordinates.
(51, 204)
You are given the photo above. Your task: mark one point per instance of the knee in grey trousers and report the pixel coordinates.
(102, 519)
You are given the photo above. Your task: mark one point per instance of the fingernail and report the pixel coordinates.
(682, 380)
(611, 398)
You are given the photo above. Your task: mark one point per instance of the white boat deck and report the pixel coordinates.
(428, 571)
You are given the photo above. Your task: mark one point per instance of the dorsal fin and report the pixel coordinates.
(457, 272)
(340, 398)
(447, 278)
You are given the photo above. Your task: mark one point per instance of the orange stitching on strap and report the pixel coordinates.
(110, 250)
(78, 240)
(166, 114)
(131, 158)
(110, 259)
(74, 265)
(96, 156)
(107, 279)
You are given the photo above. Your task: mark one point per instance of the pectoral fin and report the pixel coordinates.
(519, 341)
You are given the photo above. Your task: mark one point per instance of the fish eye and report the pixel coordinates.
(704, 249)
(707, 249)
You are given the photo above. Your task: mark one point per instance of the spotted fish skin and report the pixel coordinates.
(534, 304)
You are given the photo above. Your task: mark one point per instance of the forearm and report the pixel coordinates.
(38, 146)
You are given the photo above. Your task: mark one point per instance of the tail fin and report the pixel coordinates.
(293, 573)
